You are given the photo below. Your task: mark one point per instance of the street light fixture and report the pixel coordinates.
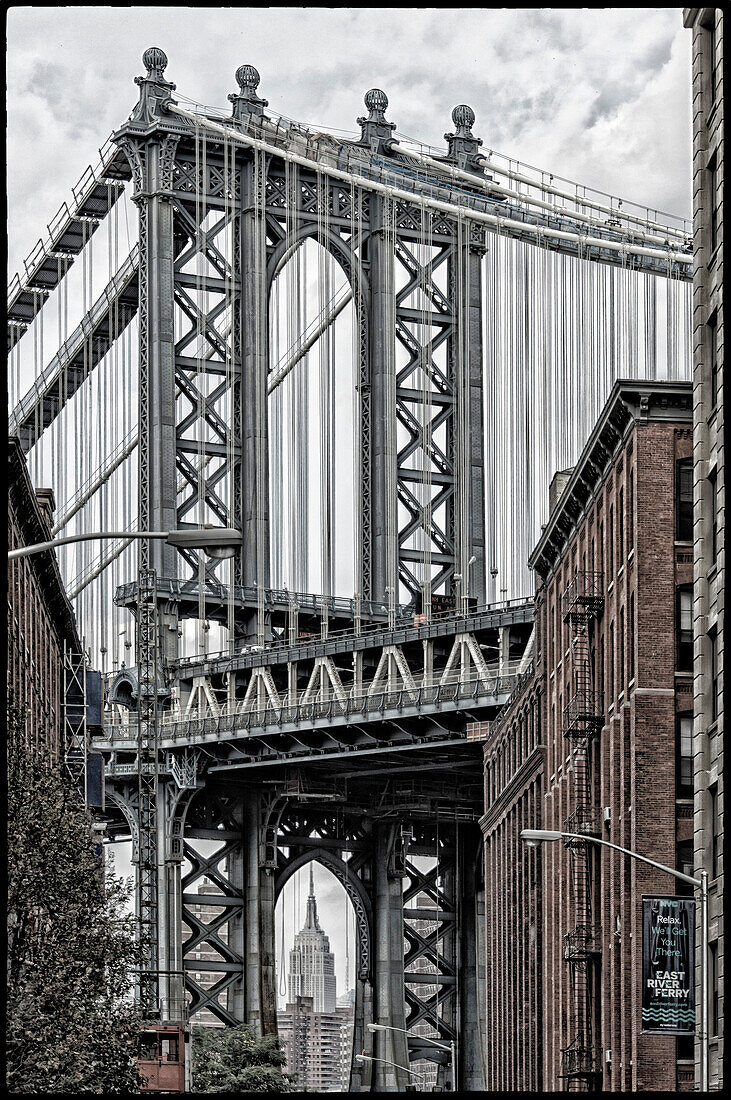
(218, 542)
(425, 1039)
(534, 837)
(368, 1058)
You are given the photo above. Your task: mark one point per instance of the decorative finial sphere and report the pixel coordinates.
(463, 116)
(247, 77)
(376, 100)
(155, 59)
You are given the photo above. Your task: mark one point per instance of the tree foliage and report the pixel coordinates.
(233, 1059)
(71, 1024)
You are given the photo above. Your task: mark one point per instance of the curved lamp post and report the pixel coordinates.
(450, 1048)
(534, 837)
(218, 542)
(385, 1062)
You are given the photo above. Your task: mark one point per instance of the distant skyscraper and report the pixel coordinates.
(311, 962)
(315, 1032)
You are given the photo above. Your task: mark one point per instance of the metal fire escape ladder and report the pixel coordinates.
(582, 721)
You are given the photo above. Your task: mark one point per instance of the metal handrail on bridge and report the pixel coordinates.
(351, 163)
(181, 728)
(47, 247)
(405, 621)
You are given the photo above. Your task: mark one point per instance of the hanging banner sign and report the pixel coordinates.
(668, 980)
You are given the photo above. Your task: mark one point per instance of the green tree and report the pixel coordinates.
(71, 1023)
(233, 1059)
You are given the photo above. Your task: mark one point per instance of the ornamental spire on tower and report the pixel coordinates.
(375, 131)
(246, 103)
(312, 924)
(155, 90)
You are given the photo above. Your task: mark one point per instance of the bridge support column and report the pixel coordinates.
(361, 1073)
(503, 650)
(384, 536)
(253, 565)
(391, 1046)
(260, 990)
(170, 811)
(170, 903)
(428, 678)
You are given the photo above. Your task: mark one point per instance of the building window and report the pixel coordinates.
(610, 667)
(713, 982)
(685, 1048)
(713, 500)
(715, 848)
(610, 543)
(631, 511)
(684, 659)
(715, 221)
(713, 635)
(713, 358)
(684, 863)
(631, 638)
(684, 756)
(712, 59)
(620, 528)
(622, 650)
(684, 500)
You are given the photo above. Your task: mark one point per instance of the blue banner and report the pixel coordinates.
(668, 952)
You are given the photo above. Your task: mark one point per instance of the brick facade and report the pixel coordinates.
(513, 795)
(39, 616)
(611, 763)
(709, 486)
(592, 745)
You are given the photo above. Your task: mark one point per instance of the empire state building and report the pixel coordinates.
(311, 962)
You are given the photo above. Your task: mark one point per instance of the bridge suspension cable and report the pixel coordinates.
(493, 220)
(277, 125)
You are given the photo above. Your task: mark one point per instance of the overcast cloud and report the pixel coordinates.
(601, 97)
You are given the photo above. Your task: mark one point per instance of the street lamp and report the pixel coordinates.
(466, 585)
(218, 542)
(385, 1062)
(425, 1039)
(391, 593)
(534, 837)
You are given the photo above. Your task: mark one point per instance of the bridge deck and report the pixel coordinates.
(250, 729)
(373, 636)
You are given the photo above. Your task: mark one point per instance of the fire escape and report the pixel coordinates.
(582, 720)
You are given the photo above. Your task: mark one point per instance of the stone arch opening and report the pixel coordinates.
(318, 955)
(313, 416)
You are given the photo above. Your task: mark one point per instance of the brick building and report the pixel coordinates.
(514, 777)
(596, 740)
(614, 579)
(709, 486)
(41, 621)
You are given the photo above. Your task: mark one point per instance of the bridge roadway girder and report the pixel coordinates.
(409, 686)
(414, 955)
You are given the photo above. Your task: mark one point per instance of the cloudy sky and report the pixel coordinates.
(601, 97)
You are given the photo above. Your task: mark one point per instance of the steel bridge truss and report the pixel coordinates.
(217, 222)
(408, 858)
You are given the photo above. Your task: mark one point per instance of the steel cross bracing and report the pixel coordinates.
(343, 694)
